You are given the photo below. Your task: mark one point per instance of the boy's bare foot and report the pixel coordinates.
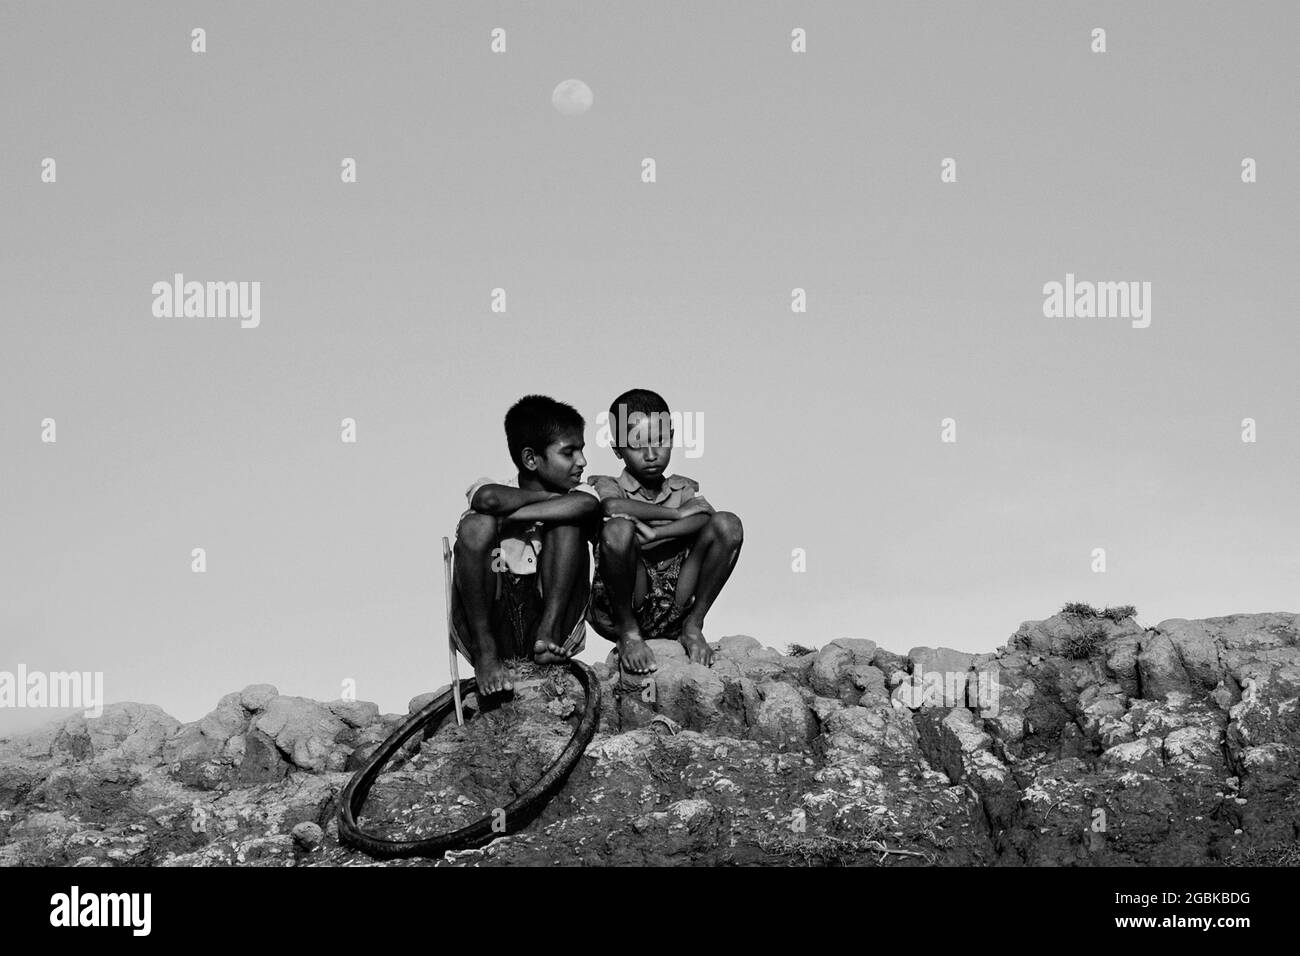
(492, 677)
(697, 648)
(636, 655)
(548, 652)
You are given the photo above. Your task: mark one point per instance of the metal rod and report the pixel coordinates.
(451, 643)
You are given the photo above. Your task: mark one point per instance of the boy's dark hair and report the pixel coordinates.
(537, 420)
(635, 400)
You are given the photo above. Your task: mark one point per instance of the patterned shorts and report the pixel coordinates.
(516, 608)
(657, 616)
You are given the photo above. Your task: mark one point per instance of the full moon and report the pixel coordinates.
(572, 98)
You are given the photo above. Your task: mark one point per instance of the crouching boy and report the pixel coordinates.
(663, 553)
(520, 573)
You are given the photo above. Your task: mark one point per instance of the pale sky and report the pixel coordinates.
(775, 170)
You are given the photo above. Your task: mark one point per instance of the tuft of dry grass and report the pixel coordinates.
(1082, 646)
(1079, 609)
(1117, 613)
(1286, 854)
(824, 849)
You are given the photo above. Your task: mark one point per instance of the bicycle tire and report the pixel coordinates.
(518, 813)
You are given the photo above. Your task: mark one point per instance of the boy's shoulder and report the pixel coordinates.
(605, 486)
(672, 481)
(486, 480)
(608, 486)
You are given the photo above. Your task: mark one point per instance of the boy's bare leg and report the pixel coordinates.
(620, 567)
(564, 589)
(472, 579)
(704, 572)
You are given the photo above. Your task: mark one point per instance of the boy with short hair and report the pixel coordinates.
(519, 584)
(663, 553)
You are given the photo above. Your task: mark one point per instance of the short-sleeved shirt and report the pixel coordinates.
(674, 491)
(522, 552)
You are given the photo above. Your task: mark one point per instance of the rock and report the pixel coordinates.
(356, 713)
(134, 733)
(261, 761)
(130, 732)
(691, 813)
(940, 660)
(255, 697)
(887, 661)
(34, 744)
(1196, 650)
(871, 682)
(739, 645)
(1223, 696)
(842, 670)
(228, 719)
(307, 835)
(420, 701)
(1142, 755)
(46, 823)
(1265, 756)
(304, 730)
(874, 733)
(756, 662)
(948, 740)
(783, 718)
(1006, 713)
(863, 651)
(1258, 647)
(717, 699)
(562, 707)
(1103, 709)
(958, 746)
(755, 761)
(828, 675)
(1160, 669)
(1058, 635)
(1193, 747)
(1122, 663)
(222, 748)
(960, 722)
(823, 707)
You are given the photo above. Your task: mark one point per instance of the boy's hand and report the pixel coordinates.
(644, 533)
(695, 506)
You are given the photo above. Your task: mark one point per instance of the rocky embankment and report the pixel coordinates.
(1086, 740)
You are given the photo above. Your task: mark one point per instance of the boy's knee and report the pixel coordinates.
(619, 534)
(562, 532)
(727, 527)
(476, 532)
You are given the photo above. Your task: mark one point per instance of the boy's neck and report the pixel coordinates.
(528, 482)
(651, 484)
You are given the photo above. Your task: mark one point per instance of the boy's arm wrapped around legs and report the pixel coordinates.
(681, 528)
